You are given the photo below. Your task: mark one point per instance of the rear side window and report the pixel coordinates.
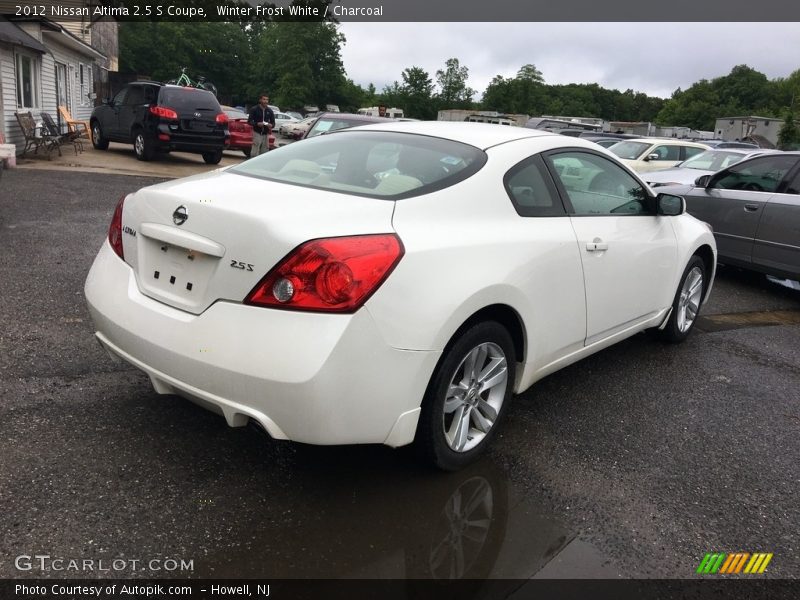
(186, 98)
(532, 191)
(375, 164)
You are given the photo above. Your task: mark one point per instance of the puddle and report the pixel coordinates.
(397, 522)
(714, 323)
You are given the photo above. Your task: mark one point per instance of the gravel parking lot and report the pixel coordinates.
(635, 462)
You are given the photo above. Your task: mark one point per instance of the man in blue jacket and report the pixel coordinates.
(262, 120)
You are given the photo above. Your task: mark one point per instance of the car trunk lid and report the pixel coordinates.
(213, 237)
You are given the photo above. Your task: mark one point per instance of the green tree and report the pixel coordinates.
(452, 81)
(417, 91)
(789, 135)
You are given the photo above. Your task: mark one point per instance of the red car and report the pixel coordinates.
(241, 131)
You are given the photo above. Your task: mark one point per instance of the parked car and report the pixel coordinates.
(705, 163)
(725, 144)
(333, 121)
(589, 135)
(316, 291)
(652, 154)
(754, 208)
(296, 115)
(155, 117)
(281, 118)
(297, 130)
(600, 140)
(241, 131)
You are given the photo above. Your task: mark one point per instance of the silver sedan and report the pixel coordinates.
(754, 208)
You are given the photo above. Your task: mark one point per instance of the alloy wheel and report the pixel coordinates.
(474, 397)
(689, 301)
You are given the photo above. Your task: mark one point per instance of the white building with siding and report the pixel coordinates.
(43, 66)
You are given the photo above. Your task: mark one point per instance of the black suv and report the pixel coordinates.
(155, 117)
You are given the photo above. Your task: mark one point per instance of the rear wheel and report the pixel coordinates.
(212, 158)
(686, 305)
(143, 146)
(98, 141)
(467, 397)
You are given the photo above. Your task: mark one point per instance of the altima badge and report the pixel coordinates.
(180, 215)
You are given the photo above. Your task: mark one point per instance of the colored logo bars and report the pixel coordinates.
(723, 563)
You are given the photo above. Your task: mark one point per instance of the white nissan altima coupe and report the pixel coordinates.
(393, 283)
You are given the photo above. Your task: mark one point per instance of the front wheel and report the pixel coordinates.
(686, 305)
(212, 158)
(467, 397)
(247, 152)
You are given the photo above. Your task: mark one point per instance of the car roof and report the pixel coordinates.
(480, 135)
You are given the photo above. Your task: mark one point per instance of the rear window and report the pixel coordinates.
(375, 164)
(186, 98)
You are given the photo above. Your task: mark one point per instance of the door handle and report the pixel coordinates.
(751, 207)
(596, 245)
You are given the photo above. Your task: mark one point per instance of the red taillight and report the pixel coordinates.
(115, 230)
(222, 118)
(164, 112)
(330, 274)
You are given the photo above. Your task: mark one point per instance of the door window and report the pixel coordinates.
(666, 153)
(595, 185)
(120, 97)
(761, 174)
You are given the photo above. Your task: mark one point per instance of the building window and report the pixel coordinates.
(27, 82)
(84, 98)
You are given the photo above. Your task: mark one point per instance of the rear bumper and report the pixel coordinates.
(313, 378)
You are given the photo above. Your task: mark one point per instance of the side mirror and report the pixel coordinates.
(652, 157)
(107, 101)
(702, 181)
(669, 205)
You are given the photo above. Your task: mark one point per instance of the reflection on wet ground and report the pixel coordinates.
(748, 319)
(371, 513)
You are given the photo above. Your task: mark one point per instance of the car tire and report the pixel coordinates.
(247, 152)
(143, 146)
(212, 158)
(686, 305)
(459, 420)
(98, 141)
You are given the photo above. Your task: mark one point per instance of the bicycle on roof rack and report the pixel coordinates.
(201, 82)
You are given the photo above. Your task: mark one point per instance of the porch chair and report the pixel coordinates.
(80, 127)
(36, 138)
(69, 137)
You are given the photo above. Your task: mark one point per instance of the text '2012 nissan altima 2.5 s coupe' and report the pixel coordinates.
(393, 283)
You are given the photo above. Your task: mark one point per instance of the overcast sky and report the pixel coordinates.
(655, 58)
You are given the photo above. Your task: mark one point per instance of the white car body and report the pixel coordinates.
(654, 154)
(326, 378)
(282, 119)
(296, 129)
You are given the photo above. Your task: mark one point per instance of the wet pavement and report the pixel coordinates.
(635, 462)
